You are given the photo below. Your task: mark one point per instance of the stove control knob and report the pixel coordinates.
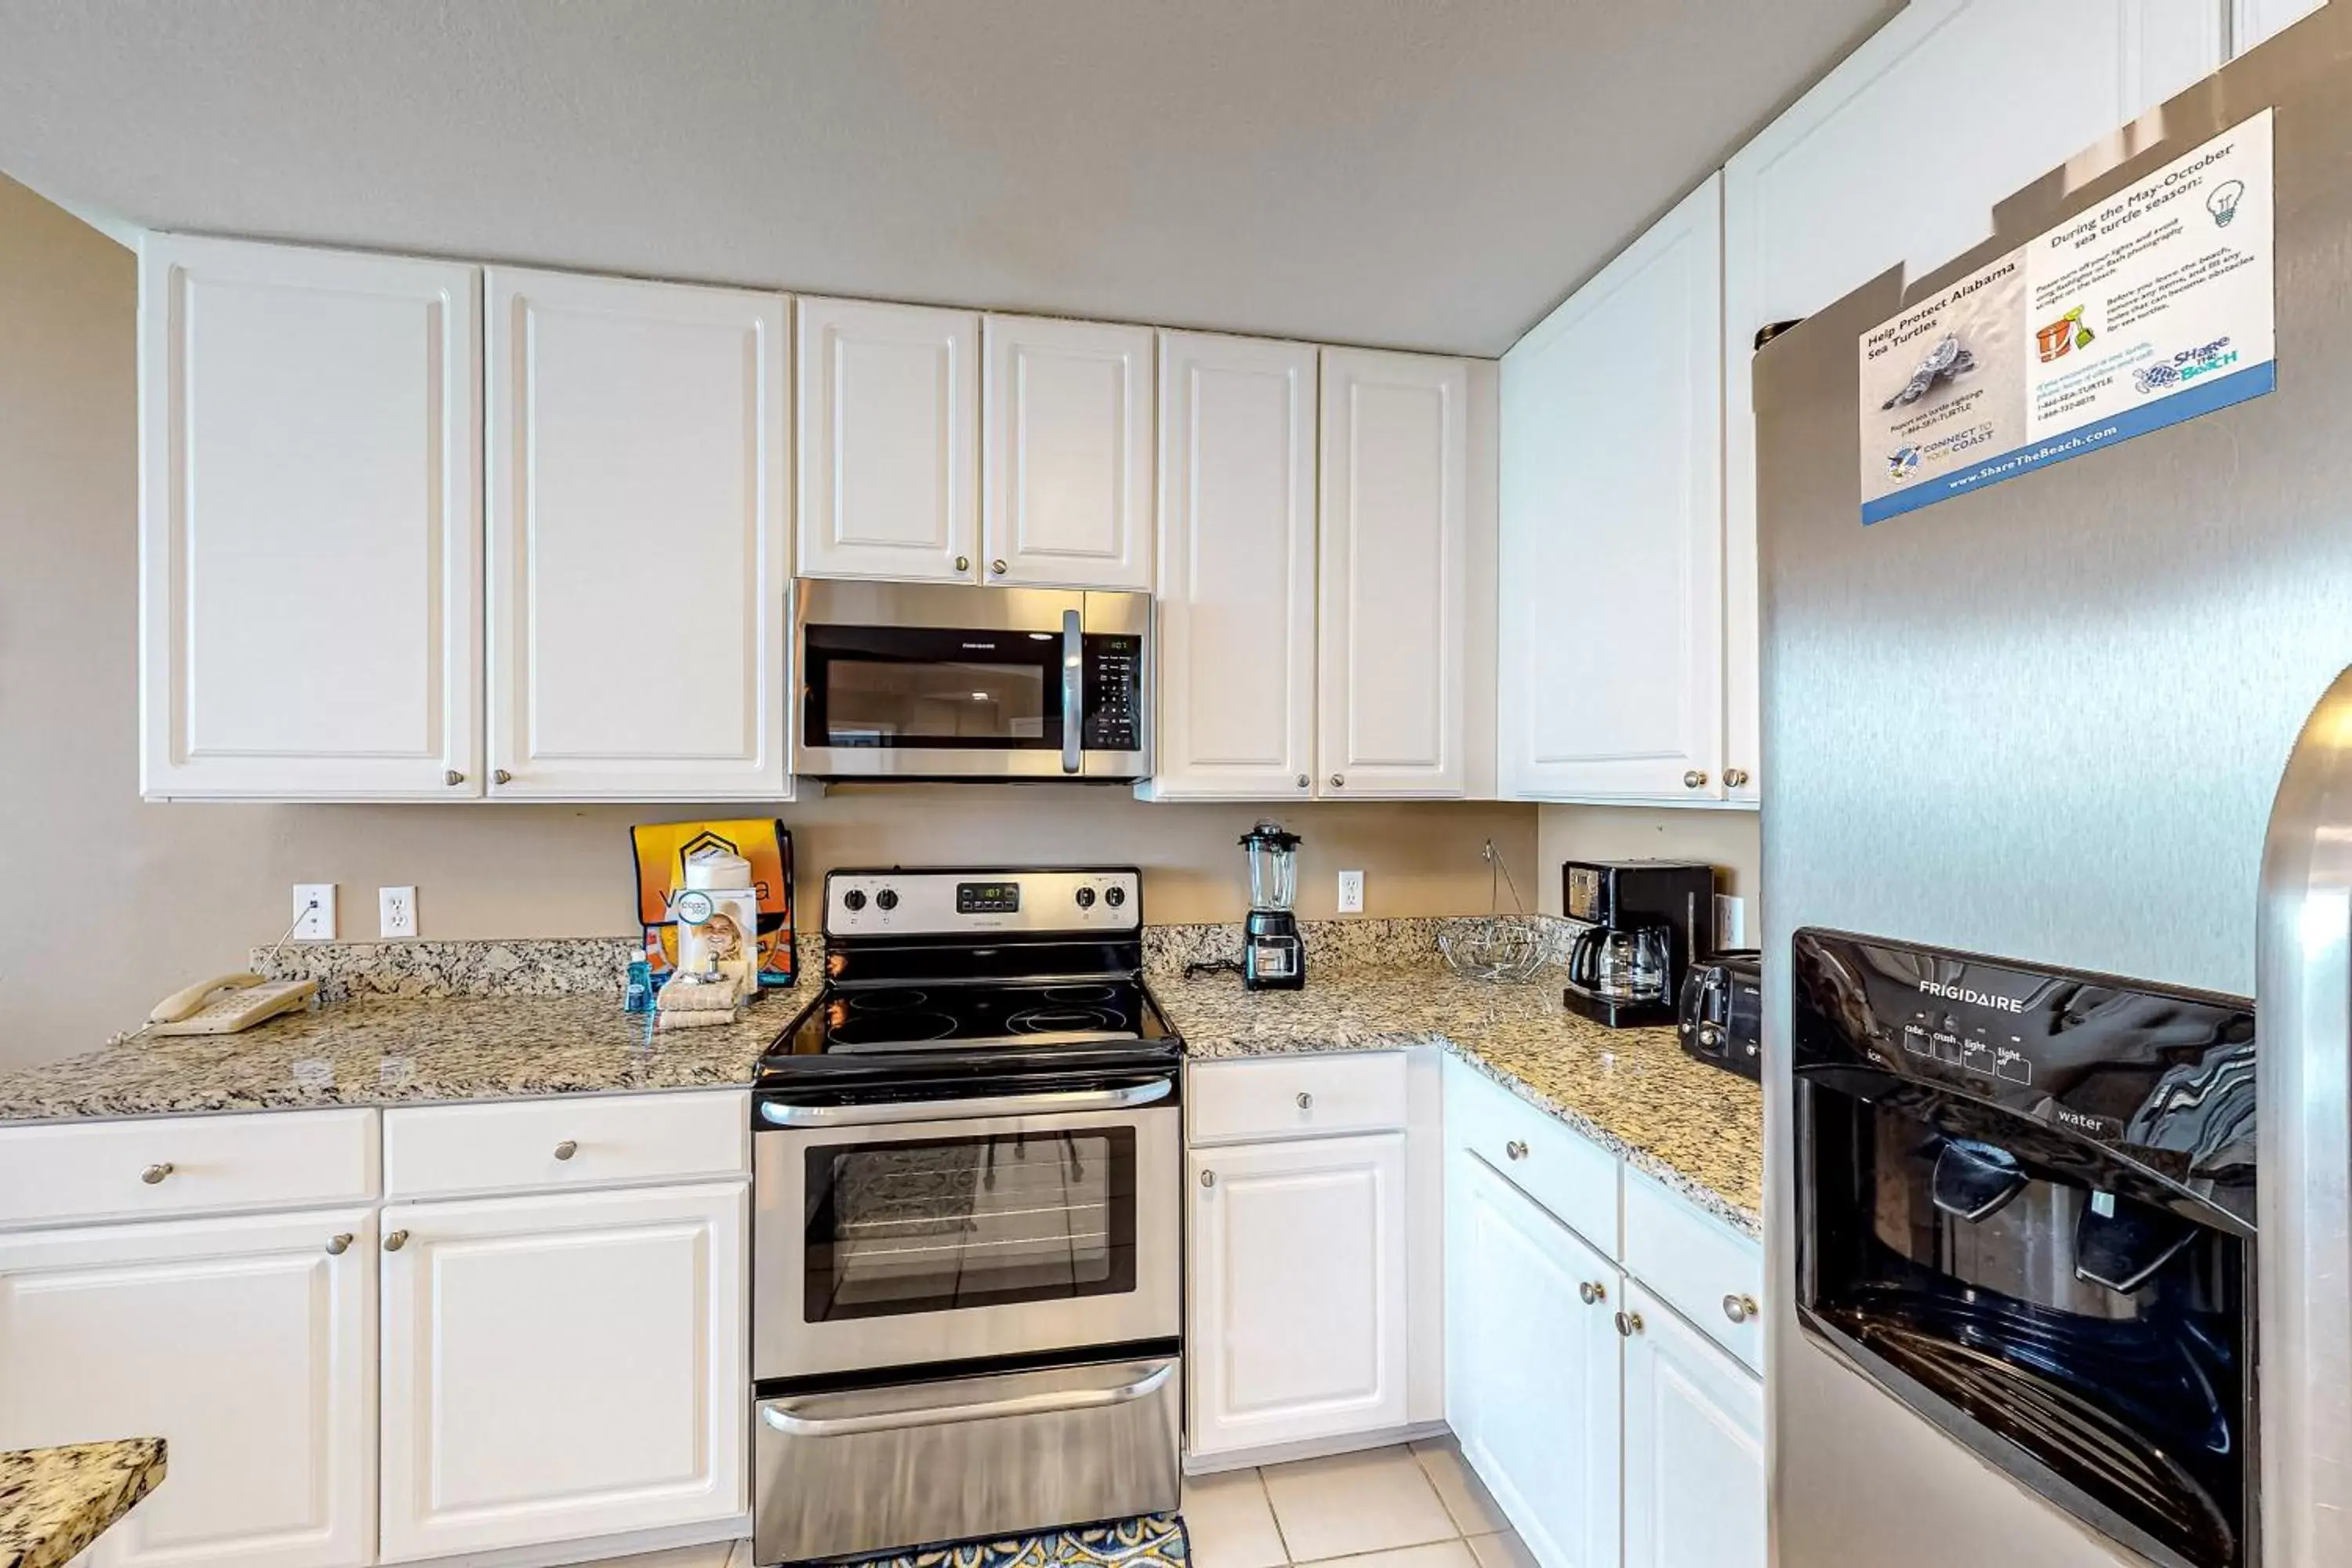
(1085, 898)
(886, 899)
(1115, 897)
(852, 900)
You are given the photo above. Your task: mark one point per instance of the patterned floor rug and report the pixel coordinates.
(1154, 1540)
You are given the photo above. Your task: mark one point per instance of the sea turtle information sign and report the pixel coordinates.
(2153, 307)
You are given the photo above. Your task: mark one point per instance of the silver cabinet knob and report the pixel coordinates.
(395, 1241)
(453, 778)
(153, 1175)
(1302, 781)
(501, 776)
(1516, 1150)
(1693, 780)
(1306, 1100)
(1739, 1308)
(339, 1244)
(963, 563)
(565, 1149)
(1736, 778)
(1208, 1178)
(997, 567)
(1592, 1292)
(1629, 1323)
(1338, 780)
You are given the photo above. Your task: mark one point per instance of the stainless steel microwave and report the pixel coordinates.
(921, 681)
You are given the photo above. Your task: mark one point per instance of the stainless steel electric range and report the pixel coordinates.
(966, 1237)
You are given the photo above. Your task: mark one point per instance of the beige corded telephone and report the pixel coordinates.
(227, 1004)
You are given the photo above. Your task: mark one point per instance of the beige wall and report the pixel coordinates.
(110, 903)
(1726, 838)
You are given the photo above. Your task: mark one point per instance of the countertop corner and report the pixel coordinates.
(55, 1502)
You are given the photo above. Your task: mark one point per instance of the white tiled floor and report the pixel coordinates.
(1388, 1508)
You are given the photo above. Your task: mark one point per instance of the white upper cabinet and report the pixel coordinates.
(1391, 625)
(1613, 502)
(561, 1367)
(1236, 623)
(1832, 194)
(2256, 21)
(1067, 412)
(1690, 1410)
(310, 526)
(889, 441)
(638, 549)
(248, 1345)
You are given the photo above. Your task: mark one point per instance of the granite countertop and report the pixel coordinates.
(55, 1502)
(401, 1051)
(1697, 1128)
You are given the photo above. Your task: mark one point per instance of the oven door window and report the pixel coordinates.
(937, 1224)
(932, 688)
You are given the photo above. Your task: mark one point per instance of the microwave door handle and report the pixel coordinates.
(1074, 660)
(779, 1415)
(1057, 1102)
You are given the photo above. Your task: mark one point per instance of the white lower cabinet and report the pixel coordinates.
(247, 1344)
(1533, 1366)
(1694, 1417)
(560, 1367)
(1298, 1291)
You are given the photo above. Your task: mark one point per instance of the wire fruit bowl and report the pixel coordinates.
(1503, 948)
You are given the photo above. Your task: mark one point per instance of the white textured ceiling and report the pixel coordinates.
(1428, 173)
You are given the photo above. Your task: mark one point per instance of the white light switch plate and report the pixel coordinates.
(314, 924)
(1351, 893)
(1730, 921)
(395, 912)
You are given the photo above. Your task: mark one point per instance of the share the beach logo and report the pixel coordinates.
(2185, 366)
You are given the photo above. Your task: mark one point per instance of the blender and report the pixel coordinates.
(1273, 955)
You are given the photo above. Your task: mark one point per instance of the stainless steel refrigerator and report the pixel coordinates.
(2048, 720)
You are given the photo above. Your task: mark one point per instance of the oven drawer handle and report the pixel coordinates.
(1059, 1101)
(779, 1415)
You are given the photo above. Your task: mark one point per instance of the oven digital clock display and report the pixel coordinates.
(988, 898)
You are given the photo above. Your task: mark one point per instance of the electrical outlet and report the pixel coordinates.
(314, 912)
(1730, 921)
(395, 912)
(1351, 893)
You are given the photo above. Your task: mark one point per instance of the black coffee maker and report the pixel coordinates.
(1646, 921)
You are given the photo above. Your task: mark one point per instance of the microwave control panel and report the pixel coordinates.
(1114, 693)
(2169, 1073)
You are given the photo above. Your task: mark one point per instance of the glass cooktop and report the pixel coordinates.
(921, 1019)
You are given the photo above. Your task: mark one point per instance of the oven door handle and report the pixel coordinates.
(1059, 1101)
(1074, 661)
(779, 1415)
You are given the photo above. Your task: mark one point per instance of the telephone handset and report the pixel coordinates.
(227, 1003)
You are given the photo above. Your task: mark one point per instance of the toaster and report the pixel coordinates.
(1721, 1013)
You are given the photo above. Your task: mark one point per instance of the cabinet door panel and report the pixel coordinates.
(1235, 654)
(2257, 21)
(1807, 216)
(636, 518)
(311, 523)
(889, 432)
(244, 1343)
(1613, 502)
(1532, 1369)
(1298, 1291)
(1393, 546)
(562, 1367)
(1690, 1410)
(1067, 413)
